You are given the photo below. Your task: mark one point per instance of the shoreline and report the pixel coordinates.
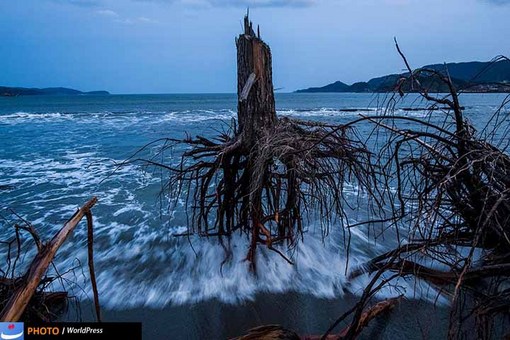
(302, 313)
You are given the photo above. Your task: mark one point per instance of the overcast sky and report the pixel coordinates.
(187, 46)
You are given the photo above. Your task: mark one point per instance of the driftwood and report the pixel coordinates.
(269, 332)
(453, 193)
(19, 300)
(368, 315)
(92, 272)
(273, 332)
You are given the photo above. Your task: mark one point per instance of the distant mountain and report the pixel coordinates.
(479, 72)
(470, 76)
(337, 86)
(50, 91)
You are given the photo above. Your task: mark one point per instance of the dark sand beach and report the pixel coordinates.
(411, 319)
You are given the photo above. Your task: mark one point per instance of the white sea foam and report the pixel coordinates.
(350, 112)
(122, 120)
(24, 116)
(118, 119)
(140, 263)
(153, 270)
(179, 117)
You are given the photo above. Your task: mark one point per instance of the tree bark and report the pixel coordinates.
(256, 109)
(256, 116)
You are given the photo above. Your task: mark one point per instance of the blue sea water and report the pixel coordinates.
(56, 152)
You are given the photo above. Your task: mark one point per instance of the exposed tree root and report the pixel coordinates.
(458, 186)
(266, 175)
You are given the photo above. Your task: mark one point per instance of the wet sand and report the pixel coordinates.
(411, 319)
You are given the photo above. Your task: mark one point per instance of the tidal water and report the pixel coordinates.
(56, 152)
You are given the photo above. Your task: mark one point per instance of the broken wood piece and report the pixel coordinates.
(247, 87)
(90, 247)
(19, 300)
(368, 315)
(269, 332)
(256, 113)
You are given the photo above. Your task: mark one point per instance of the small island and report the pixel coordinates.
(49, 91)
(472, 77)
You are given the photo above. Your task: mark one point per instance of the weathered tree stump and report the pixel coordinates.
(256, 115)
(267, 169)
(256, 108)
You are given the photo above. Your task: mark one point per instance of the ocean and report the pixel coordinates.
(56, 152)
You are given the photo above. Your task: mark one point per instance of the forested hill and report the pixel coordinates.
(23, 91)
(471, 76)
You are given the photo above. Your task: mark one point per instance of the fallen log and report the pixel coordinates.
(19, 300)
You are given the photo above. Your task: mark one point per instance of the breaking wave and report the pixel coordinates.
(139, 260)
